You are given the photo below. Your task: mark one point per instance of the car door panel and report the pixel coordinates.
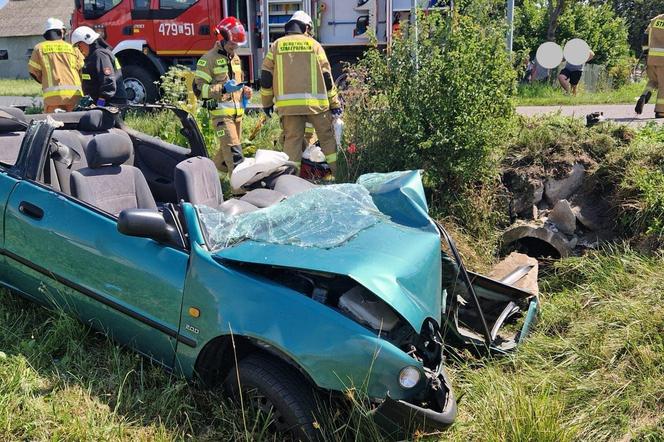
(127, 286)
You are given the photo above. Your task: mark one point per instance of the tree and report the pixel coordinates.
(637, 14)
(556, 8)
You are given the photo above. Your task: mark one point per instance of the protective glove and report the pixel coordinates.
(232, 86)
(336, 113)
(101, 102)
(210, 104)
(268, 111)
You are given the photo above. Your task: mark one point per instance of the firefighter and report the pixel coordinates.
(218, 82)
(296, 78)
(101, 74)
(654, 48)
(56, 64)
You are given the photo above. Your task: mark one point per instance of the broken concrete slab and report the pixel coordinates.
(536, 241)
(556, 190)
(563, 217)
(513, 263)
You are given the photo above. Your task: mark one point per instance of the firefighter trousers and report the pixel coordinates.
(293, 127)
(656, 81)
(66, 104)
(228, 131)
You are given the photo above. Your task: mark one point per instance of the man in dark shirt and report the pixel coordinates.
(101, 74)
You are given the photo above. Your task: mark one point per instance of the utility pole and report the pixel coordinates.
(510, 24)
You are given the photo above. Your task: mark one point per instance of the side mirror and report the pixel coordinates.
(146, 223)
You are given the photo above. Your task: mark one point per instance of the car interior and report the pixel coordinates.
(97, 159)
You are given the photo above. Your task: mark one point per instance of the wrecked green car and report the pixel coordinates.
(294, 290)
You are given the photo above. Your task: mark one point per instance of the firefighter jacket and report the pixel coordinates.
(56, 65)
(102, 75)
(301, 77)
(655, 44)
(214, 69)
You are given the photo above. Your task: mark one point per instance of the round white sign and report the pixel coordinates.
(549, 55)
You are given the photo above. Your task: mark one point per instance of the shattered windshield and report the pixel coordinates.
(322, 217)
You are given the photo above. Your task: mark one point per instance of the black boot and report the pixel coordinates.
(643, 100)
(659, 114)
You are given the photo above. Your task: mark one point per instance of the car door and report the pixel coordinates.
(129, 287)
(7, 183)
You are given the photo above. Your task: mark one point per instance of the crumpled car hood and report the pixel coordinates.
(400, 265)
(398, 260)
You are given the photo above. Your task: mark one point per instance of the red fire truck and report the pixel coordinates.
(148, 36)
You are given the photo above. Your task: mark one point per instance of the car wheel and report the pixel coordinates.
(273, 388)
(139, 85)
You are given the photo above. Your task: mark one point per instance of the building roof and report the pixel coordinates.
(20, 18)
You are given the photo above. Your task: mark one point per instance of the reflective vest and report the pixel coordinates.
(213, 70)
(655, 46)
(297, 63)
(56, 65)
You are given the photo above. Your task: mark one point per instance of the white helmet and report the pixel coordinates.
(84, 34)
(54, 23)
(302, 17)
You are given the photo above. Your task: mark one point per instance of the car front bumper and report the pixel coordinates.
(398, 418)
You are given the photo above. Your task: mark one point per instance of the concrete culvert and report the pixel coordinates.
(535, 241)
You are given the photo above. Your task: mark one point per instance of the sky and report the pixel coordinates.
(2, 3)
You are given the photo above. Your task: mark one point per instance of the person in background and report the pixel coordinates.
(56, 64)
(218, 82)
(296, 78)
(101, 73)
(570, 76)
(654, 48)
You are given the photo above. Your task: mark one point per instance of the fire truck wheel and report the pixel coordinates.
(139, 84)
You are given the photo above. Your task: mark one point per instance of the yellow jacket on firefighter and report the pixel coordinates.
(655, 44)
(298, 65)
(214, 69)
(56, 65)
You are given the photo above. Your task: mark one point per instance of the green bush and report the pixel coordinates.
(621, 72)
(440, 102)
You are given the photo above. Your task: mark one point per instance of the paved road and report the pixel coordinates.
(621, 113)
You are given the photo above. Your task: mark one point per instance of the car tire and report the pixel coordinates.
(275, 387)
(139, 84)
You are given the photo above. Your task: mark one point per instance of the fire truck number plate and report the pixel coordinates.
(175, 29)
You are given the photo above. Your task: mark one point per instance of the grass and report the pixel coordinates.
(545, 95)
(592, 371)
(22, 88)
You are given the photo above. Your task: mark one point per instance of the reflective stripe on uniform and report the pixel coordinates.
(205, 91)
(34, 65)
(269, 55)
(49, 74)
(280, 72)
(227, 109)
(309, 128)
(331, 158)
(117, 64)
(266, 92)
(656, 52)
(204, 76)
(63, 93)
(660, 101)
(86, 77)
(311, 102)
(314, 77)
(220, 70)
(332, 93)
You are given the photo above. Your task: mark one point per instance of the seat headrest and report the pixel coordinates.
(96, 121)
(108, 149)
(9, 125)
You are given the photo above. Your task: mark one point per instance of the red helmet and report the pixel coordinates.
(231, 29)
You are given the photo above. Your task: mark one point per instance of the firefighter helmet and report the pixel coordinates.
(84, 34)
(54, 24)
(230, 29)
(303, 18)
